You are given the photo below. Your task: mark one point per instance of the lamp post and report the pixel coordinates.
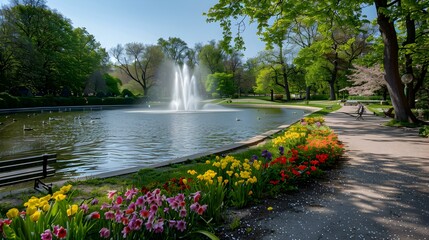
(406, 79)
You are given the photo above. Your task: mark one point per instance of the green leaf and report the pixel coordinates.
(207, 234)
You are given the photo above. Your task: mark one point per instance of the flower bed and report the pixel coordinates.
(184, 207)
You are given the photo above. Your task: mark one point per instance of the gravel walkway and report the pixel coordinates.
(381, 191)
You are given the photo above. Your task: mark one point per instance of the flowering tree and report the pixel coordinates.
(366, 80)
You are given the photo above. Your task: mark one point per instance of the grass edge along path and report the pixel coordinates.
(216, 188)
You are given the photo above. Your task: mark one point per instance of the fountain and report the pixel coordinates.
(185, 92)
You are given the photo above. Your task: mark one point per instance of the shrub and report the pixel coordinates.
(278, 96)
(424, 131)
(365, 97)
(215, 95)
(11, 101)
(319, 97)
(127, 93)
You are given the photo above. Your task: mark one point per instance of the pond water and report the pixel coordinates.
(92, 142)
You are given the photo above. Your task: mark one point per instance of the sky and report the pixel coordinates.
(115, 22)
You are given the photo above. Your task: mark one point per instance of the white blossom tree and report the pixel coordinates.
(366, 80)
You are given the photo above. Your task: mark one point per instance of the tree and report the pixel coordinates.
(212, 56)
(366, 81)
(139, 62)
(221, 84)
(174, 48)
(249, 75)
(415, 45)
(41, 51)
(276, 15)
(264, 81)
(386, 23)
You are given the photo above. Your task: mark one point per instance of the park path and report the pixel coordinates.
(380, 192)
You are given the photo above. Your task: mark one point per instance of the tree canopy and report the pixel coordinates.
(276, 17)
(41, 51)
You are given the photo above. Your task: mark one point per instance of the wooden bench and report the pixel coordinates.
(25, 169)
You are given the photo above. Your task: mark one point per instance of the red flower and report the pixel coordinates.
(129, 210)
(313, 168)
(302, 167)
(295, 172)
(283, 175)
(322, 157)
(274, 182)
(314, 162)
(95, 215)
(60, 232)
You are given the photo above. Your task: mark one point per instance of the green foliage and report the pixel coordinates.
(127, 93)
(319, 97)
(45, 53)
(396, 123)
(9, 101)
(112, 84)
(235, 223)
(365, 98)
(424, 131)
(221, 83)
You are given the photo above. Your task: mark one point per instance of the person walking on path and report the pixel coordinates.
(360, 111)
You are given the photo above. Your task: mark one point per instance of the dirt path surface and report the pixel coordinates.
(381, 191)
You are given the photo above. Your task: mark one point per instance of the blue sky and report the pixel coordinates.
(145, 21)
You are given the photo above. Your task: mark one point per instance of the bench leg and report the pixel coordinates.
(38, 185)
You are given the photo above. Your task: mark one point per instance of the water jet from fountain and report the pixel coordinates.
(185, 91)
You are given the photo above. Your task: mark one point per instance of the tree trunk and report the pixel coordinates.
(333, 79)
(411, 38)
(285, 82)
(391, 65)
(307, 93)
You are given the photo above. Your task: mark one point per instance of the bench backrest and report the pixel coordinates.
(26, 162)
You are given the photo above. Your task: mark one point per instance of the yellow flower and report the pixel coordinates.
(246, 166)
(225, 181)
(216, 164)
(65, 189)
(72, 210)
(192, 172)
(270, 208)
(12, 213)
(236, 175)
(35, 216)
(257, 164)
(252, 180)
(30, 210)
(45, 198)
(219, 179)
(32, 202)
(229, 173)
(46, 207)
(185, 181)
(58, 196)
(245, 174)
(250, 193)
(208, 162)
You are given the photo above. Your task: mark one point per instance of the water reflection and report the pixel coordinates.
(91, 142)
